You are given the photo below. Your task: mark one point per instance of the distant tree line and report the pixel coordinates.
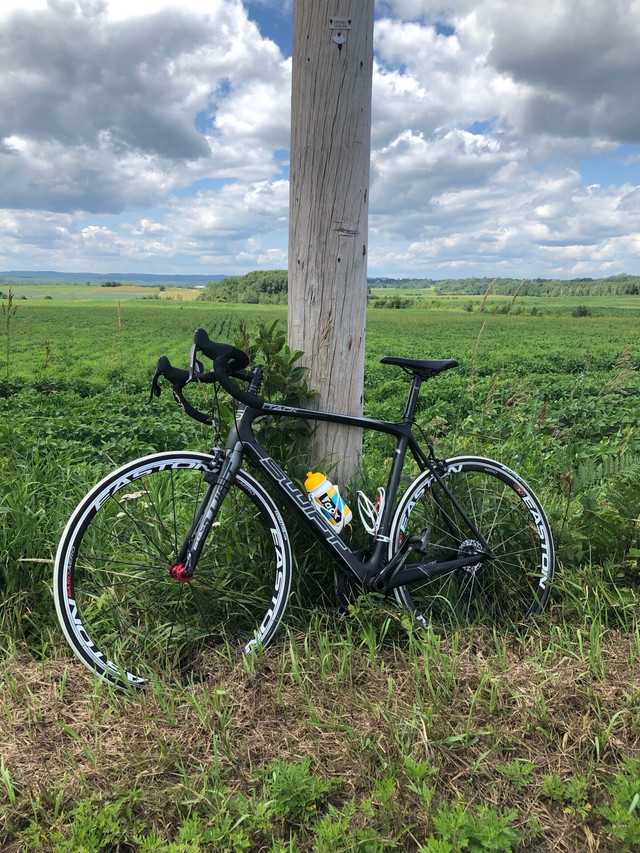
(401, 283)
(260, 286)
(270, 286)
(616, 285)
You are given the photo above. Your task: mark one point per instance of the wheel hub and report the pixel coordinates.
(179, 572)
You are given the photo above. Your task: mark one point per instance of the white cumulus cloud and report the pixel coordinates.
(153, 136)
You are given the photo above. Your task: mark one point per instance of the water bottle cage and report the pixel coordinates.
(370, 511)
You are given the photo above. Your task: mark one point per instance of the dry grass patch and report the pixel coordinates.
(385, 731)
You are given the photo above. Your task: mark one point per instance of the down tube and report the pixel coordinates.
(310, 517)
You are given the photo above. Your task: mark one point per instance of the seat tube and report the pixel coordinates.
(397, 465)
(382, 535)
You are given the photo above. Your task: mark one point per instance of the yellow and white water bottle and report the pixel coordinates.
(327, 498)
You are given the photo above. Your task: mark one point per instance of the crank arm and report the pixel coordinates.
(411, 543)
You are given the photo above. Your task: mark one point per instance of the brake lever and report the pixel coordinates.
(195, 365)
(163, 361)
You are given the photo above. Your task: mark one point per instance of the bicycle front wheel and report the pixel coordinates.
(126, 618)
(506, 590)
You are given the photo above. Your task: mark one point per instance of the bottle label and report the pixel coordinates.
(334, 508)
(332, 505)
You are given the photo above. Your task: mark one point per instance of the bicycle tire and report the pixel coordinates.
(122, 613)
(506, 590)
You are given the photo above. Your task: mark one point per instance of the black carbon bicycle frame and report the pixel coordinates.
(374, 573)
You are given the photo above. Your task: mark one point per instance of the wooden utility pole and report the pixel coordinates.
(328, 214)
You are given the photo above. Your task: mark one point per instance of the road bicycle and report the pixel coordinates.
(181, 552)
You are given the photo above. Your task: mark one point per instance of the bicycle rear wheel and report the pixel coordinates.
(123, 614)
(505, 590)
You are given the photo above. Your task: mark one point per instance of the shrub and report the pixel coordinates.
(581, 311)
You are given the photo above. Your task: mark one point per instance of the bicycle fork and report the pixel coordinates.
(220, 477)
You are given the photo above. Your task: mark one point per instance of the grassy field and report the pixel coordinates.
(357, 733)
(427, 299)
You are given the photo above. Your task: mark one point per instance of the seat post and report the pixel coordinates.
(412, 399)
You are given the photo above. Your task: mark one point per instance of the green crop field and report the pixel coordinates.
(362, 733)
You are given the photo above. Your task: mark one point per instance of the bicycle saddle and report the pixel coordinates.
(425, 368)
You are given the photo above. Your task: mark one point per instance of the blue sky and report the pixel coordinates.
(154, 137)
(275, 21)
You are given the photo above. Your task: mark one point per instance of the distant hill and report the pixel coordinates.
(49, 276)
